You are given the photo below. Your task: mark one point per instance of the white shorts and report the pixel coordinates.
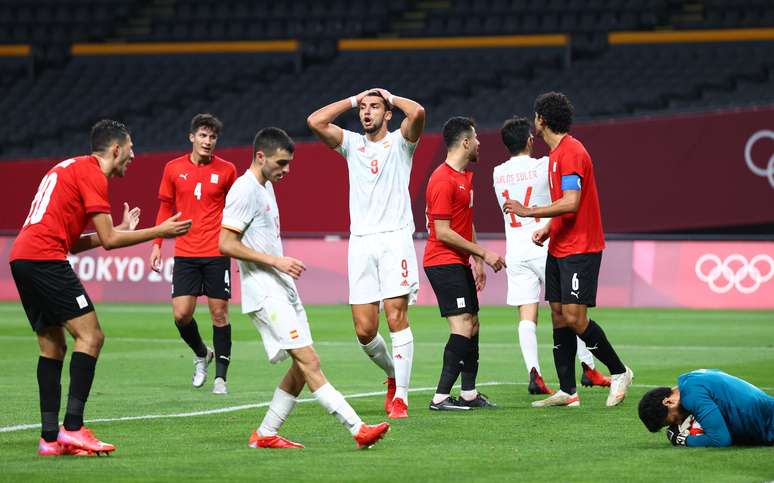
(283, 326)
(524, 280)
(382, 266)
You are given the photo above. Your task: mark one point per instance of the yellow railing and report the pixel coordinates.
(454, 42)
(140, 48)
(685, 36)
(18, 50)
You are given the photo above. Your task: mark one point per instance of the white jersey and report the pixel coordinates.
(379, 173)
(525, 180)
(252, 209)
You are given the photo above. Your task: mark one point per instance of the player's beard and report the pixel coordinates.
(473, 157)
(375, 127)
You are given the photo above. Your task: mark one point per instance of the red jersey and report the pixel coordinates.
(67, 195)
(449, 197)
(199, 193)
(580, 232)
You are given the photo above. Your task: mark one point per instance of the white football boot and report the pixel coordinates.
(200, 368)
(619, 384)
(219, 386)
(559, 398)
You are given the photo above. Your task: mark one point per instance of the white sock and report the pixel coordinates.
(584, 354)
(281, 405)
(439, 397)
(377, 351)
(335, 404)
(402, 357)
(469, 395)
(528, 343)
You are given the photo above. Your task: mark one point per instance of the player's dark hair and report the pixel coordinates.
(106, 132)
(271, 139)
(208, 121)
(455, 128)
(556, 110)
(387, 105)
(515, 134)
(652, 411)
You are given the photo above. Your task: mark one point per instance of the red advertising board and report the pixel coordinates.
(655, 174)
(634, 274)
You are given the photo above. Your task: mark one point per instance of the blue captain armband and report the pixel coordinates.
(571, 182)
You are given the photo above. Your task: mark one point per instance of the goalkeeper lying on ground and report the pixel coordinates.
(729, 411)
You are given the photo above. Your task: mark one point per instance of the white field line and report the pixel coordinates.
(229, 409)
(504, 345)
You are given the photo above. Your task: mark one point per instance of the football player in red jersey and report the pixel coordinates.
(574, 252)
(72, 194)
(450, 243)
(196, 184)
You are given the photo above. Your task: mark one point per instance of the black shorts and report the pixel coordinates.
(573, 279)
(455, 289)
(50, 292)
(210, 276)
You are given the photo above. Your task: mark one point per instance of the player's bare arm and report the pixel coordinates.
(446, 235)
(321, 120)
(414, 123)
(568, 203)
(541, 235)
(230, 245)
(166, 208)
(111, 238)
(479, 274)
(87, 241)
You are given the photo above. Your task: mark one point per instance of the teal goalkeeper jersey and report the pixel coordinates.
(729, 410)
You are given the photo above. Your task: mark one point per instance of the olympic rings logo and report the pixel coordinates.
(768, 171)
(734, 272)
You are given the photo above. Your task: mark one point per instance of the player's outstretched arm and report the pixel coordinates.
(446, 235)
(111, 238)
(231, 245)
(414, 123)
(568, 203)
(321, 120)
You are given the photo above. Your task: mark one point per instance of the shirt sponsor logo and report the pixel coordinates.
(734, 272)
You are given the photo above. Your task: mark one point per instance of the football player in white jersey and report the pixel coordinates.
(525, 179)
(250, 232)
(382, 263)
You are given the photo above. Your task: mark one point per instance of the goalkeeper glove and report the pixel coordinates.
(675, 436)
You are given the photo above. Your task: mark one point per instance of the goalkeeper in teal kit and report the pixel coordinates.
(729, 411)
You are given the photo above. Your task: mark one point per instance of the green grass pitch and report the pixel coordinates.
(144, 372)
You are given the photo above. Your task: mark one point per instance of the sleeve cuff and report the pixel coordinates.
(232, 224)
(98, 209)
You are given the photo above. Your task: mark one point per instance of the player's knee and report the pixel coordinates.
(93, 340)
(219, 316)
(310, 365)
(182, 317)
(57, 351)
(571, 320)
(397, 320)
(365, 332)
